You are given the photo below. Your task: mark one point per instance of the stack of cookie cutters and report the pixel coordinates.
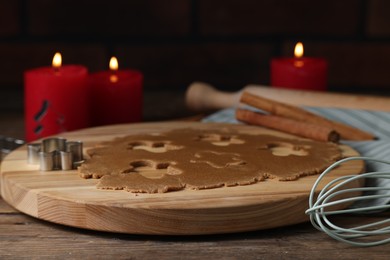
(56, 154)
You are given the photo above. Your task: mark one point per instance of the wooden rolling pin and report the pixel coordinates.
(204, 97)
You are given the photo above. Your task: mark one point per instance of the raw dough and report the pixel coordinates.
(203, 159)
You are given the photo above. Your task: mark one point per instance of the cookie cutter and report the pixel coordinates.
(56, 154)
(8, 144)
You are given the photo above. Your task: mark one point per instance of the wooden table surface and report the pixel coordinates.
(22, 236)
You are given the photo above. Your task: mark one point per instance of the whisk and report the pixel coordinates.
(320, 207)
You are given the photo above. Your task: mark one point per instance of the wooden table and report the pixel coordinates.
(22, 236)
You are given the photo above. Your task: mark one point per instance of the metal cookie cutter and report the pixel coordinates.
(56, 154)
(7, 144)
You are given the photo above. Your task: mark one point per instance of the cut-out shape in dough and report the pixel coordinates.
(150, 169)
(218, 159)
(220, 139)
(286, 149)
(154, 147)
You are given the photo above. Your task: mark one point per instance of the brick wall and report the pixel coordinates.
(228, 43)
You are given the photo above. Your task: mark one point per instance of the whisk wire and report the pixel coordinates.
(325, 204)
(319, 207)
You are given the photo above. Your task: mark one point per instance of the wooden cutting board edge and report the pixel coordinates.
(188, 212)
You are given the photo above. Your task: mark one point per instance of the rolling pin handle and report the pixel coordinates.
(202, 97)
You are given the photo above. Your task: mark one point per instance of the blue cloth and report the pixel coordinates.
(375, 122)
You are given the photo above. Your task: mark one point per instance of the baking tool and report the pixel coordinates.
(76, 149)
(48, 161)
(55, 154)
(53, 144)
(202, 97)
(70, 200)
(322, 207)
(7, 144)
(33, 153)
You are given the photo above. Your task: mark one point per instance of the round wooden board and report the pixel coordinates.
(63, 197)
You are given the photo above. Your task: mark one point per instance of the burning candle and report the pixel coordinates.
(299, 72)
(116, 95)
(55, 99)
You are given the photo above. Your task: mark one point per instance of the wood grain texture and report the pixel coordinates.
(65, 198)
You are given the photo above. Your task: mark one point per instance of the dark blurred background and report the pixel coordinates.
(228, 43)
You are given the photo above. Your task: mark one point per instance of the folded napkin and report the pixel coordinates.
(375, 122)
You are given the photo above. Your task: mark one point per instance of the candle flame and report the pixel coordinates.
(57, 60)
(113, 64)
(298, 51)
(113, 67)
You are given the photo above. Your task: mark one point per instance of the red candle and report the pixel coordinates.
(299, 72)
(116, 95)
(55, 99)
